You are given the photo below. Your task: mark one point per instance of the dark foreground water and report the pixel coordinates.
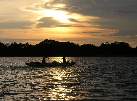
(92, 78)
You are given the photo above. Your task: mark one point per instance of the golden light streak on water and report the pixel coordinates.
(60, 78)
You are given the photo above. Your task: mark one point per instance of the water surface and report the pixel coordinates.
(92, 78)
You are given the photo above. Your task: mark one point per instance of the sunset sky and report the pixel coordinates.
(81, 21)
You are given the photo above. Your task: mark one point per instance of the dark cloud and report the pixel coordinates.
(103, 8)
(15, 25)
(125, 26)
(73, 20)
(49, 22)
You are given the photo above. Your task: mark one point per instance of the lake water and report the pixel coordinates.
(92, 78)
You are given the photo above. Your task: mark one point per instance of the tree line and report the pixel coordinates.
(56, 48)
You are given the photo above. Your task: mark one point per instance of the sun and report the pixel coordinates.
(59, 15)
(54, 10)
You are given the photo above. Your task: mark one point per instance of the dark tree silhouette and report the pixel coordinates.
(2, 45)
(56, 48)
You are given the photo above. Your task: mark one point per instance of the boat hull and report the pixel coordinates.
(38, 64)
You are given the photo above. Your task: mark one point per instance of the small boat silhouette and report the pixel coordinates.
(51, 64)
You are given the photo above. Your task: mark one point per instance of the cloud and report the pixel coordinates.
(49, 22)
(15, 24)
(102, 8)
(125, 26)
(73, 20)
(101, 32)
(114, 14)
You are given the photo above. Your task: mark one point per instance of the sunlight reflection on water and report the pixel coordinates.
(61, 82)
(58, 59)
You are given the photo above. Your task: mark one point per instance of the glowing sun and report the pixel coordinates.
(59, 15)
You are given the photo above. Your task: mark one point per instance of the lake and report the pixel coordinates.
(92, 78)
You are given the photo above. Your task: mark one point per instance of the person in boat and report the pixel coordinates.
(44, 60)
(64, 59)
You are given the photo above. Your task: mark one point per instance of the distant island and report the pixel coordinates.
(56, 48)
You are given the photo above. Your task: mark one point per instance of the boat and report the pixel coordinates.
(52, 64)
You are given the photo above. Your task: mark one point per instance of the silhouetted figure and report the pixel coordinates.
(43, 60)
(64, 59)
